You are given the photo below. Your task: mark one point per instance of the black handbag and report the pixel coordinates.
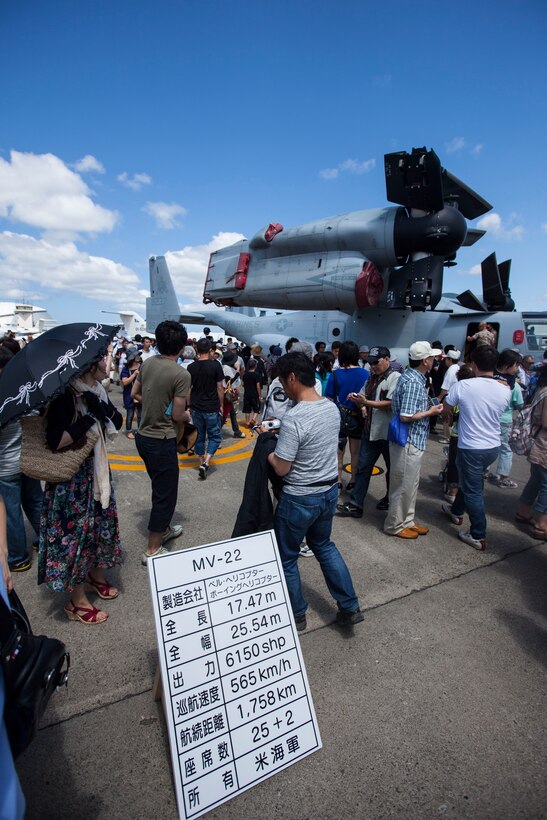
(33, 667)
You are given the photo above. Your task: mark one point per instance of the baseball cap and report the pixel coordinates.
(376, 353)
(454, 354)
(422, 350)
(364, 349)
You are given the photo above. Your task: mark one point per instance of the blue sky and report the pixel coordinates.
(175, 127)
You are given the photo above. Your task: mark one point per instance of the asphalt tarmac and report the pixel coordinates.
(433, 706)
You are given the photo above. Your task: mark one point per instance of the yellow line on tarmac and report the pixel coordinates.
(186, 466)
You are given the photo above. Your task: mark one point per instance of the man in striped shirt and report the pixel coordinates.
(412, 404)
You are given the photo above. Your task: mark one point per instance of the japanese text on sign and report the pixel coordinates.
(237, 700)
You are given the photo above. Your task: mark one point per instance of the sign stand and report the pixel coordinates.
(235, 693)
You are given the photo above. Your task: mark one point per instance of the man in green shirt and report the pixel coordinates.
(163, 388)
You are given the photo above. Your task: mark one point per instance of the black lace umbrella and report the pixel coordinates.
(44, 367)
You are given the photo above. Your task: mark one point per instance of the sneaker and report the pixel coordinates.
(447, 510)
(383, 504)
(300, 623)
(348, 618)
(172, 532)
(203, 471)
(305, 551)
(476, 543)
(239, 435)
(21, 566)
(506, 482)
(146, 556)
(348, 511)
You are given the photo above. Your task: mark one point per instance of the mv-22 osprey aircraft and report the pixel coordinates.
(371, 276)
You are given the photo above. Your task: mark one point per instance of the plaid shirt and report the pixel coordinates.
(411, 397)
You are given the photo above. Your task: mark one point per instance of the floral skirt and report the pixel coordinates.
(76, 534)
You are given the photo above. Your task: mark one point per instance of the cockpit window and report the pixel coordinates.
(536, 334)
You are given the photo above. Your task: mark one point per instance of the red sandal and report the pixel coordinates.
(102, 588)
(89, 614)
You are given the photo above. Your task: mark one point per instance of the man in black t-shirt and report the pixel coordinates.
(206, 399)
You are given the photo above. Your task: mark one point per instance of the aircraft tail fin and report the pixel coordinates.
(162, 303)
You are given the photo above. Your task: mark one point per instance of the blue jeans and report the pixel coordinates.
(130, 413)
(310, 517)
(369, 454)
(535, 492)
(20, 491)
(208, 427)
(505, 458)
(471, 466)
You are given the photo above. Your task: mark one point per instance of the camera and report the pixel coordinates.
(269, 424)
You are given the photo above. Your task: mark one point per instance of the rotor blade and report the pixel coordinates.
(473, 235)
(414, 180)
(505, 269)
(470, 203)
(417, 285)
(468, 300)
(492, 291)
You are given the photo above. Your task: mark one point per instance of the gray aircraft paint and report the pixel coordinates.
(373, 276)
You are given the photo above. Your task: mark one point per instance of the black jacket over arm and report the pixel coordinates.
(61, 416)
(256, 510)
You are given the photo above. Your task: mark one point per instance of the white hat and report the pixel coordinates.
(422, 350)
(454, 354)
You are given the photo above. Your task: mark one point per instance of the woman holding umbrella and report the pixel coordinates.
(79, 533)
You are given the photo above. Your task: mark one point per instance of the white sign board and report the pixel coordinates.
(237, 699)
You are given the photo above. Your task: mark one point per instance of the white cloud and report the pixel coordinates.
(544, 227)
(350, 166)
(454, 145)
(503, 230)
(188, 267)
(477, 149)
(475, 270)
(355, 167)
(89, 164)
(40, 190)
(165, 213)
(328, 173)
(135, 182)
(63, 267)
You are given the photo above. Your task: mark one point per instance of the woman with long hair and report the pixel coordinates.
(79, 532)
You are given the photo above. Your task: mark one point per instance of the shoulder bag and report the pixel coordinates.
(38, 461)
(33, 667)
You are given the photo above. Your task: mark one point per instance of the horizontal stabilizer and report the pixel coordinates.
(473, 235)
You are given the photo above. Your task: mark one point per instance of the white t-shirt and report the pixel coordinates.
(481, 402)
(451, 376)
(148, 354)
